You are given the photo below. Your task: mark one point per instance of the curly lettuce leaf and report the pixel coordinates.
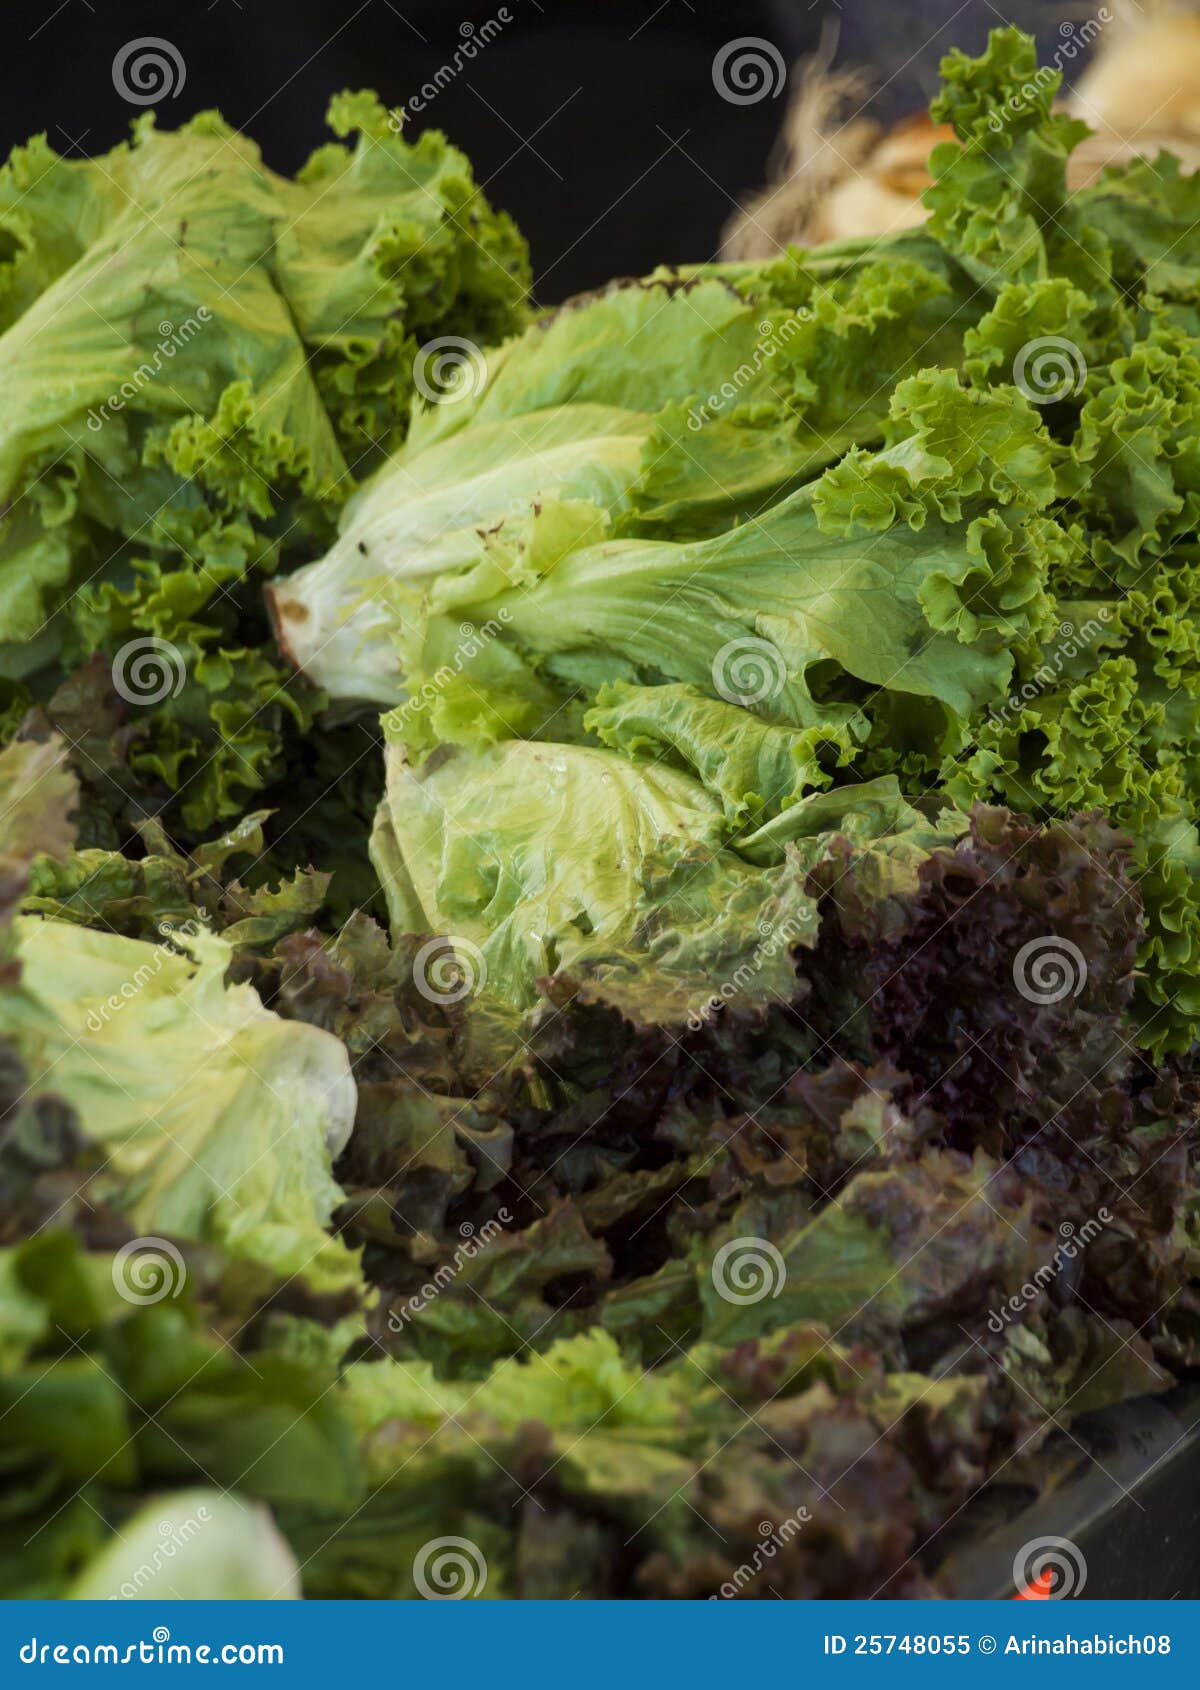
(675, 407)
(212, 1118)
(999, 200)
(806, 611)
(566, 413)
(201, 357)
(541, 859)
(755, 768)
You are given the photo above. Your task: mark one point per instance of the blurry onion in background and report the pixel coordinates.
(836, 173)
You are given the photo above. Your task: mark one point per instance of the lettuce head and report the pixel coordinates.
(201, 357)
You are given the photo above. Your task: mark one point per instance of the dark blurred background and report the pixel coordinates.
(597, 123)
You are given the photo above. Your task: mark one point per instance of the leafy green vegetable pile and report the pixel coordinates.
(773, 1105)
(200, 358)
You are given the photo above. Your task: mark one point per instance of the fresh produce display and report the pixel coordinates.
(630, 994)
